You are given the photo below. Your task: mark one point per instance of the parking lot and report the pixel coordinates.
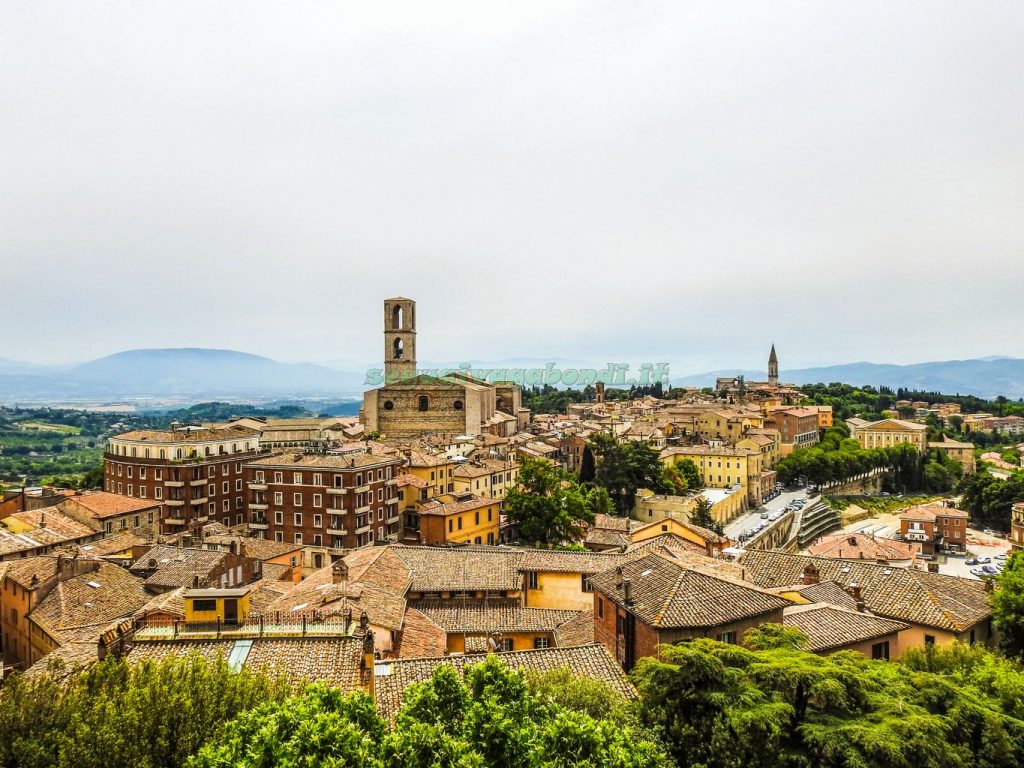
(749, 521)
(979, 544)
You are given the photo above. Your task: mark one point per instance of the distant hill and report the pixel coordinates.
(198, 373)
(222, 374)
(987, 377)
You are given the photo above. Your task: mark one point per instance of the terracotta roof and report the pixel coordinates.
(705, 533)
(48, 527)
(260, 549)
(455, 616)
(576, 631)
(177, 566)
(825, 592)
(568, 561)
(929, 512)
(88, 602)
(101, 505)
(319, 594)
(436, 507)
(905, 594)
(601, 537)
(393, 677)
(860, 546)
(328, 461)
(22, 571)
(201, 435)
(334, 660)
(122, 541)
(831, 628)
(471, 569)
(611, 523)
(420, 637)
(666, 594)
(407, 479)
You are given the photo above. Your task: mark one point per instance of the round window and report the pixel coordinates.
(388, 405)
(457, 405)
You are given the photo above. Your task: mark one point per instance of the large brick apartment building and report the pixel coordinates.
(326, 502)
(194, 473)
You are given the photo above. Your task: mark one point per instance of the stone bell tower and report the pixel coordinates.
(399, 338)
(773, 368)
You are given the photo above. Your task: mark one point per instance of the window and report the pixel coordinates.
(600, 608)
(278, 536)
(142, 473)
(727, 637)
(225, 487)
(158, 473)
(129, 471)
(226, 505)
(457, 405)
(929, 639)
(880, 651)
(297, 499)
(541, 642)
(318, 479)
(460, 522)
(298, 519)
(158, 493)
(279, 518)
(318, 500)
(424, 402)
(318, 540)
(296, 478)
(204, 605)
(490, 513)
(259, 476)
(388, 405)
(279, 477)
(142, 494)
(278, 497)
(298, 538)
(505, 644)
(129, 489)
(477, 515)
(318, 521)
(238, 484)
(585, 583)
(450, 525)
(212, 490)
(531, 580)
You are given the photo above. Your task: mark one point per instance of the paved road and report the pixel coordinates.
(753, 518)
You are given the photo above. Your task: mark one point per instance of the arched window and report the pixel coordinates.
(424, 402)
(135, 452)
(163, 454)
(318, 560)
(397, 317)
(146, 453)
(399, 350)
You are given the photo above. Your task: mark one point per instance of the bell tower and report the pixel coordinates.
(773, 368)
(399, 339)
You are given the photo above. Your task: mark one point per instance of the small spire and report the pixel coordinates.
(772, 358)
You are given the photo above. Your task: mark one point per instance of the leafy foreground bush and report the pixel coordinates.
(722, 706)
(493, 718)
(116, 715)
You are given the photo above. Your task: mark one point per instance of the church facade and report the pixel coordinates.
(417, 405)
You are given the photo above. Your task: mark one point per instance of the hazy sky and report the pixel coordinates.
(677, 180)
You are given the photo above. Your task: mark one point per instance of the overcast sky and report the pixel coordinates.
(594, 180)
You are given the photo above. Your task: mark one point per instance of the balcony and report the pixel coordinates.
(174, 520)
(257, 486)
(200, 500)
(174, 502)
(337, 491)
(362, 488)
(392, 500)
(394, 519)
(392, 481)
(259, 524)
(363, 529)
(339, 551)
(331, 531)
(198, 482)
(174, 483)
(915, 536)
(200, 518)
(259, 507)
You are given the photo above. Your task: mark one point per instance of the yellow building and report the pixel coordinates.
(888, 433)
(437, 470)
(459, 519)
(210, 606)
(493, 477)
(766, 445)
(722, 467)
(727, 425)
(557, 579)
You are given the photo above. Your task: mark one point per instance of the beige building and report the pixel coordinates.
(723, 467)
(725, 505)
(962, 453)
(888, 433)
(410, 404)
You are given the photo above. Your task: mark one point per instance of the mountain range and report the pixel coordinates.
(200, 374)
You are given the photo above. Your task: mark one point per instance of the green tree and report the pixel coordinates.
(625, 466)
(1008, 607)
(701, 515)
(548, 505)
(587, 467)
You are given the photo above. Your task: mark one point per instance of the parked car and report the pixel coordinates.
(984, 560)
(1001, 556)
(990, 570)
(973, 561)
(977, 572)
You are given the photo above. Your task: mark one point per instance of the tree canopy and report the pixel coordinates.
(549, 506)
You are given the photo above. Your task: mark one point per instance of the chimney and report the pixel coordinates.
(627, 591)
(339, 572)
(195, 582)
(364, 622)
(810, 575)
(618, 577)
(369, 661)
